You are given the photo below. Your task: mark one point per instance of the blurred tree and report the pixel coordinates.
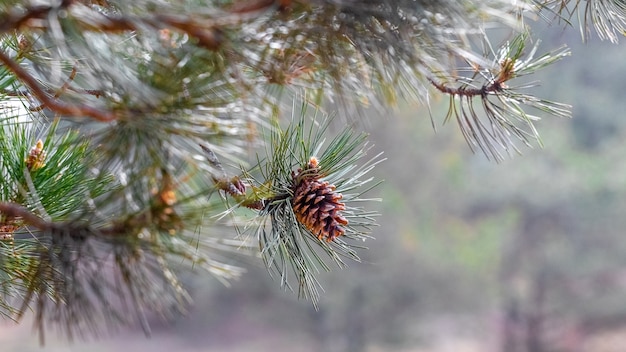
(123, 120)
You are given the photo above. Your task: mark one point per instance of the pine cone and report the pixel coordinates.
(317, 206)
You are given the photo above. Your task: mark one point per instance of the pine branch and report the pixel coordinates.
(502, 105)
(309, 209)
(57, 240)
(15, 20)
(50, 102)
(94, 212)
(607, 17)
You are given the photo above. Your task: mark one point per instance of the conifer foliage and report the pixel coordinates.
(122, 122)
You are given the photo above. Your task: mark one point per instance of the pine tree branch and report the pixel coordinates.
(55, 105)
(154, 214)
(487, 88)
(13, 210)
(606, 17)
(14, 21)
(187, 77)
(255, 5)
(206, 31)
(466, 91)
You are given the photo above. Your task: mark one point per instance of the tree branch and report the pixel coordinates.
(50, 103)
(15, 21)
(17, 211)
(465, 91)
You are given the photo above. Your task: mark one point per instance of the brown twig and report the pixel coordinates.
(15, 21)
(207, 33)
(117, 228)
(252, 6)
(465, 91)
(506, 72)
(14, 210)
(55, 105)
(59, 91)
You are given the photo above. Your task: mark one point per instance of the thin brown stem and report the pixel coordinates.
(28, 218)
(207, 32)
(14, 21)
(14, 210)
(494, 87)
(59, 91)
(253, 6)
(55, 105)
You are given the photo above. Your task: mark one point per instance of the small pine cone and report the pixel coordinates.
(318, 207)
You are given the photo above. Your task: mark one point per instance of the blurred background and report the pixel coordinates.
(527, 255)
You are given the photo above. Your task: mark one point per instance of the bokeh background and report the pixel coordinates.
(527, 255)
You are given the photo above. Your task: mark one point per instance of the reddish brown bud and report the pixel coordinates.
(36, 157)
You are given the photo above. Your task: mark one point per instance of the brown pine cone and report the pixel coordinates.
(318, 207)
